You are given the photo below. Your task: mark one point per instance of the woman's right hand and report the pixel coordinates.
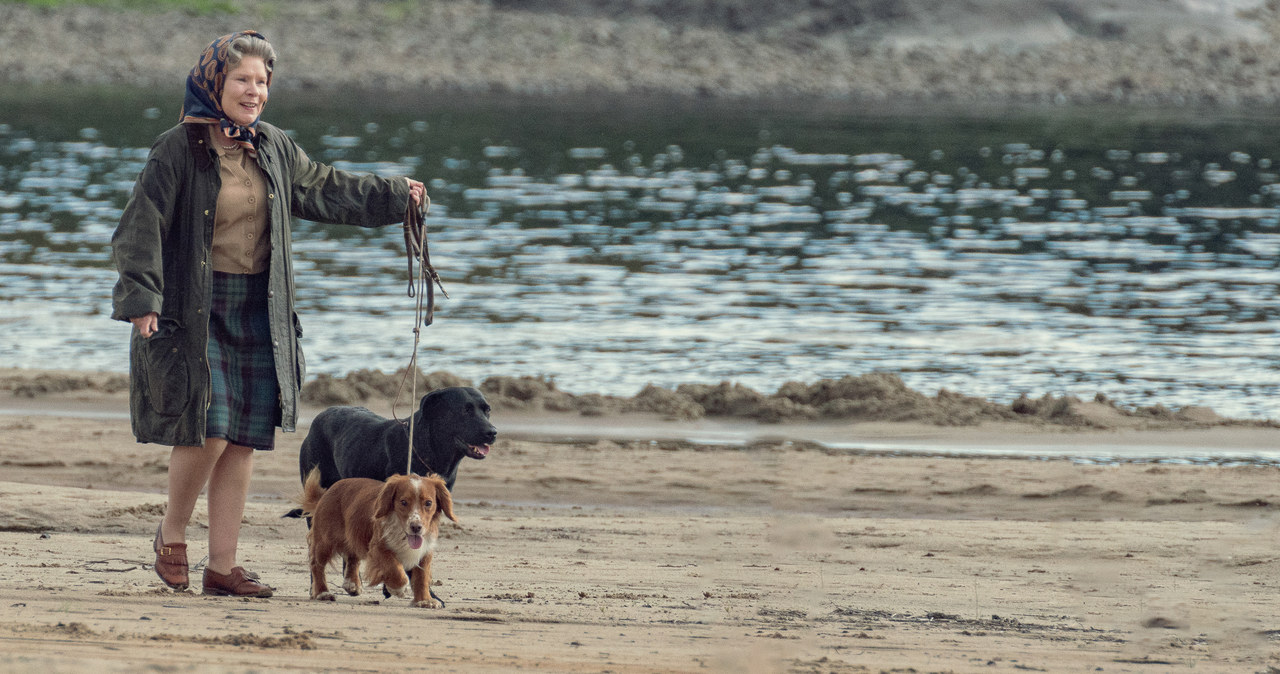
(147, 325)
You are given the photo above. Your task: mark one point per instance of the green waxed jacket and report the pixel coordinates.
(162, 247)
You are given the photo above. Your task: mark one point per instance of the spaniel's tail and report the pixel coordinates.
(311, 493)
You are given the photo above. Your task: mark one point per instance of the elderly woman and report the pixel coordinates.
(206, 279)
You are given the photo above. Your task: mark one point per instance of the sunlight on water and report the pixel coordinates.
(994, 268)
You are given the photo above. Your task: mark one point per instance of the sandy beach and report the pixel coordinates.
(604, 546)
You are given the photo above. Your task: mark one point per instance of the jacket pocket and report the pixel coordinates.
(164, 363)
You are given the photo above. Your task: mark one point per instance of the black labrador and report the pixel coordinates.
(450, 425)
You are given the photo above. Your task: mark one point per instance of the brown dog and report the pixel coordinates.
(390, 525)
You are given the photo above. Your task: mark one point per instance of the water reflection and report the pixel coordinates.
(1026, 257)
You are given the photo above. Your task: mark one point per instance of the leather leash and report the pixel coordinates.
(415, 243)
(426, 279)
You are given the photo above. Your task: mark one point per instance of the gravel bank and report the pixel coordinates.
(1220, 53)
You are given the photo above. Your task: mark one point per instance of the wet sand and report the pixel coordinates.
(617, 551)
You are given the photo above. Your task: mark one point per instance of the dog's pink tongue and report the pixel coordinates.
(415, 542)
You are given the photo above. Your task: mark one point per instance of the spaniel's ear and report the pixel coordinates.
(444, 502)
(386, 500)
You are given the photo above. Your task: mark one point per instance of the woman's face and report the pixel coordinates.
(244, 91)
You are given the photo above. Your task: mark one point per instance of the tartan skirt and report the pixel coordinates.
(244, 405)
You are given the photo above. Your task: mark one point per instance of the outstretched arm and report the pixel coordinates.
(325, 194)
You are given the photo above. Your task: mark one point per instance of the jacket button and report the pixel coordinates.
(271, 196)
(270, 294)
(206, 212)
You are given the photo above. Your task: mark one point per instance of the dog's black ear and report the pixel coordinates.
(431, 399)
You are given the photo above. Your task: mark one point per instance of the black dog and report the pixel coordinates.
(451, 423)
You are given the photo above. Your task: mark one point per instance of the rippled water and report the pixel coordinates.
(610, 244)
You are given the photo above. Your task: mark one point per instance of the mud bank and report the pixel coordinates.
(874, 397)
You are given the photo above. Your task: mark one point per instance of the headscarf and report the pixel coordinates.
(203, 101)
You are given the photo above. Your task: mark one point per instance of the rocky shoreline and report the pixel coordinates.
(991, 51)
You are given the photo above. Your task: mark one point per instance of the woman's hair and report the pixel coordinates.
(250, 45)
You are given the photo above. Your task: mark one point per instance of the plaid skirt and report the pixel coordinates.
(244, 407)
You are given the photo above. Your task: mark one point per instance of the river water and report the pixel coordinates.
(611, 243)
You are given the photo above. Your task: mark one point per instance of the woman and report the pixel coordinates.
(206, 279)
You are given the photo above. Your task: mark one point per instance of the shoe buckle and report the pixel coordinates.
(165, 550)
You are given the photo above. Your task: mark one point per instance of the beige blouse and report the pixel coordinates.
(240, 241)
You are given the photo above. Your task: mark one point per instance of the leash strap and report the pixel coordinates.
(415, 243)
(424, 279)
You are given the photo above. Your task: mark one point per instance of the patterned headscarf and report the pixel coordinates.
(203, 101)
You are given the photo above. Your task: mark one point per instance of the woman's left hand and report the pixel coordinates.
(417, 192)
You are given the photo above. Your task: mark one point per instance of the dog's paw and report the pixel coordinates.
(429, 602)
(324, 596)
(352, 589)
(401, 592)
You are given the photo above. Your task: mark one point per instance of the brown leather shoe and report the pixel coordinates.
(171, 562)
(238, 583)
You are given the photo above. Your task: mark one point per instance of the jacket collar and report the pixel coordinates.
(198, 144)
